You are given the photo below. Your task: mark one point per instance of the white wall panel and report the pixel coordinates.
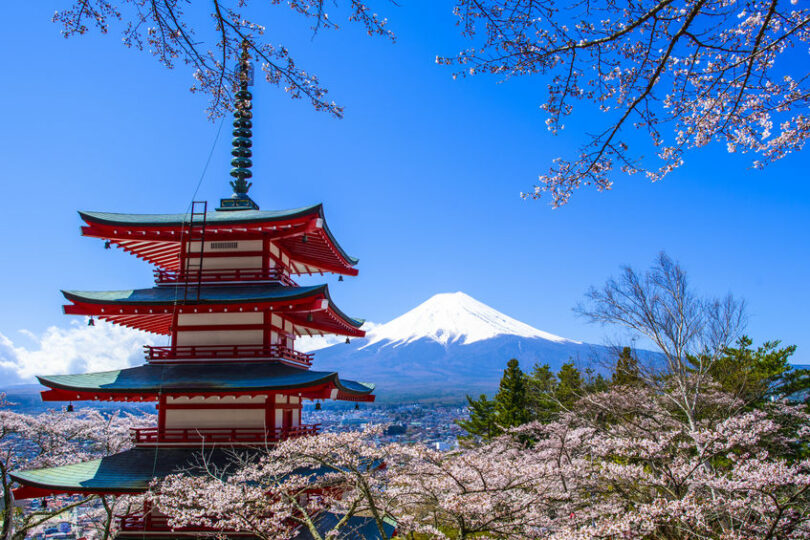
(214, 418)
(220, 337)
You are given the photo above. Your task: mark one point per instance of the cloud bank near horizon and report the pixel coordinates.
(76, 348)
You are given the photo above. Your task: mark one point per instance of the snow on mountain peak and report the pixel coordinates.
(453, 317)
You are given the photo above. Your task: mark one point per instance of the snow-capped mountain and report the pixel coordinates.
(453, 318)
(447, 347)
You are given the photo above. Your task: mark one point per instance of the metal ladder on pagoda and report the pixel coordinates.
(194, 265)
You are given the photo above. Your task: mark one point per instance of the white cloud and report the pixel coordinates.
(313, 343)
(80, 349)
(76, 349)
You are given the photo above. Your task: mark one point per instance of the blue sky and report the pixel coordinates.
(420, 180)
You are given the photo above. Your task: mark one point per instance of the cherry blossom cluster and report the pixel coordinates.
(686, 73)
(163, 28)
(626, 463)
(55, 438)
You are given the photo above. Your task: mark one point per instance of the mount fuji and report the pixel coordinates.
(447, 347)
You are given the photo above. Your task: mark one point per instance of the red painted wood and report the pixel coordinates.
(145, 436)
(31, 492)
(189, 352)
(161, 413)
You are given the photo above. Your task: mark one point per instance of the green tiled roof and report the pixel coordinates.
(230, 217)
(212, 295)
(129, 471)
(180, 378)
(208, 295)
(217, 218)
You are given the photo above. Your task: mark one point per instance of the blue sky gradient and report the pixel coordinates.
(420, 180)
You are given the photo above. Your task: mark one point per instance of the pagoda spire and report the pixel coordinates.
(242, 139)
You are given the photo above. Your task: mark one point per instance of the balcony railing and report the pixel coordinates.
(180, 353)
(139, 522)
(220, 276)
(235, 436)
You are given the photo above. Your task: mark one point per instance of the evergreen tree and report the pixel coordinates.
(570, 386)
(482, 419)
(511, 401)
(597, 384)
(542, 384)
(757, 375)
(626, 371)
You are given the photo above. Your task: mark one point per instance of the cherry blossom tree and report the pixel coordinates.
(164, 28)
(500, 489)
(624, 463)
(55, 438)
(685, 73)
(283, 488)
(648, 474)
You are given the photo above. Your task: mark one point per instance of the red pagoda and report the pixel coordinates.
(225, 294)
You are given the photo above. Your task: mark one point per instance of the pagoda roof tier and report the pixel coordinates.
(310, 309)
(147, 382)
(301, 233)
(127, 472)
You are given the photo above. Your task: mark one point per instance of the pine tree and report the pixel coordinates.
(542, 384)
(569, 388)
(757, 375)
(482, 419)
(597, 384)
(511, 401)
(626, 370)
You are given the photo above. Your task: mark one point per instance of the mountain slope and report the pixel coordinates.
(453, 318)
(447, 347)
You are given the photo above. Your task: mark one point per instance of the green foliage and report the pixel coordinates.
(511, 401)
(625, 373)
(482, 419)
(541, 384)
(570, 387)
(521, 398)
(596, 384)
(489, 418)
(756, 375)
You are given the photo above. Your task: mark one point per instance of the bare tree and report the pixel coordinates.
(691, 331)
(685, 72)
(163, 28)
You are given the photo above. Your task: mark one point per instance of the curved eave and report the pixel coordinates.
(130, 471)
(351, 261)
(148, 381)
(152, 309)
(351, 321)
(226, 295)
(156, 237)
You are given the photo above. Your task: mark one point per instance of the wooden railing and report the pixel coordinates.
(143, 522)
(220, 435)
(225, 275)
(146, 522)
(139, 522)
(221, 352)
